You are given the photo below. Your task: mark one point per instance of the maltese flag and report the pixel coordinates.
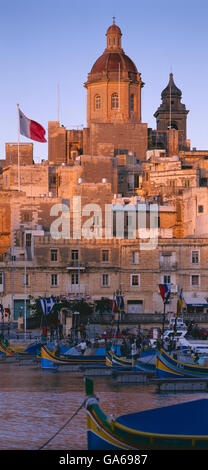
(31, 129)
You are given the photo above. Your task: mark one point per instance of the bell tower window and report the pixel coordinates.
(114, 101)
(132, 102)
(97, 102)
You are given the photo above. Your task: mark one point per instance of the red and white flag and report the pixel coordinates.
(31, 129)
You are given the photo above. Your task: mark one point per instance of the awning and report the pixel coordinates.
(195, 301)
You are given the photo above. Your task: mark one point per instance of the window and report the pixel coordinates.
(135, 257)
(200, 208)
(97, 102)
(135, 280)
(54, 280)
(27, 217)
(195, 280)
(167, 279)
(132, 102)
(1, 277)
(74, 279)
(26, 280)
(28, 240)
(195, 257)
(75, 255)
(105, 281)
(53, 179)
(95, 220)
(187, 183)
(105, 255)
(114, 101)
(54, 255)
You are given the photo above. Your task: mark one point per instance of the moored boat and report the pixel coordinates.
(168, 366)
(31, 350)
(50, 359)
(180, 426)
(144, 364)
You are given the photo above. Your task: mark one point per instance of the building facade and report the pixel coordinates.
(80, 223)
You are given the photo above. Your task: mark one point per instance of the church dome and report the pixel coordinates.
(171, 89)
(109, 62)
(113, 55)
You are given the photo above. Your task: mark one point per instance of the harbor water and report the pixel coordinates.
(35, 404)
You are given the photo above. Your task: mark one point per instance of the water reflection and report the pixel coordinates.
(35, 404)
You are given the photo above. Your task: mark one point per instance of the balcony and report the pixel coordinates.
(76, 289)
(168, 265)
(74, 265)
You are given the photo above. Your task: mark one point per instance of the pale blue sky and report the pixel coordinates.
(49, 42)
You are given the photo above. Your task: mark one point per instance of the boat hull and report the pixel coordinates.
(32, 350)
(112, 360)
(168, 367)
(49, 360)
(181, 426)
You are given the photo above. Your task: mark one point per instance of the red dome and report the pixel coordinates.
(113, 29)
(109, 62)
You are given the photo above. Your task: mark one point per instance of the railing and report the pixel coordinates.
(145, 318)
(75, 265)
(76, 288)
(167, 266)
(134, 318)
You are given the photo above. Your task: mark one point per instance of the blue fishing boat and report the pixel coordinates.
(31, 350)
(139, 365)
(112, 360)
(180, 426)
(51, 360)
(168, 366)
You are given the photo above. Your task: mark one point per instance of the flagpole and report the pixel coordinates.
(25, 303)
(18, 146)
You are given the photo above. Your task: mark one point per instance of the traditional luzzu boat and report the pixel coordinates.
(112, 360)
(51, 360)
(181, 426)
(32, 350)
(167, 366)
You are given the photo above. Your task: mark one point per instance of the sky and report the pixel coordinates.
(48, 47)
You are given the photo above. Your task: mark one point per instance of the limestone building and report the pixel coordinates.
(116, 160)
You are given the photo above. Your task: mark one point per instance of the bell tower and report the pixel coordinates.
(172, 114)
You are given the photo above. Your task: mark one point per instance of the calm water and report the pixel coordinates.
(34, 404)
